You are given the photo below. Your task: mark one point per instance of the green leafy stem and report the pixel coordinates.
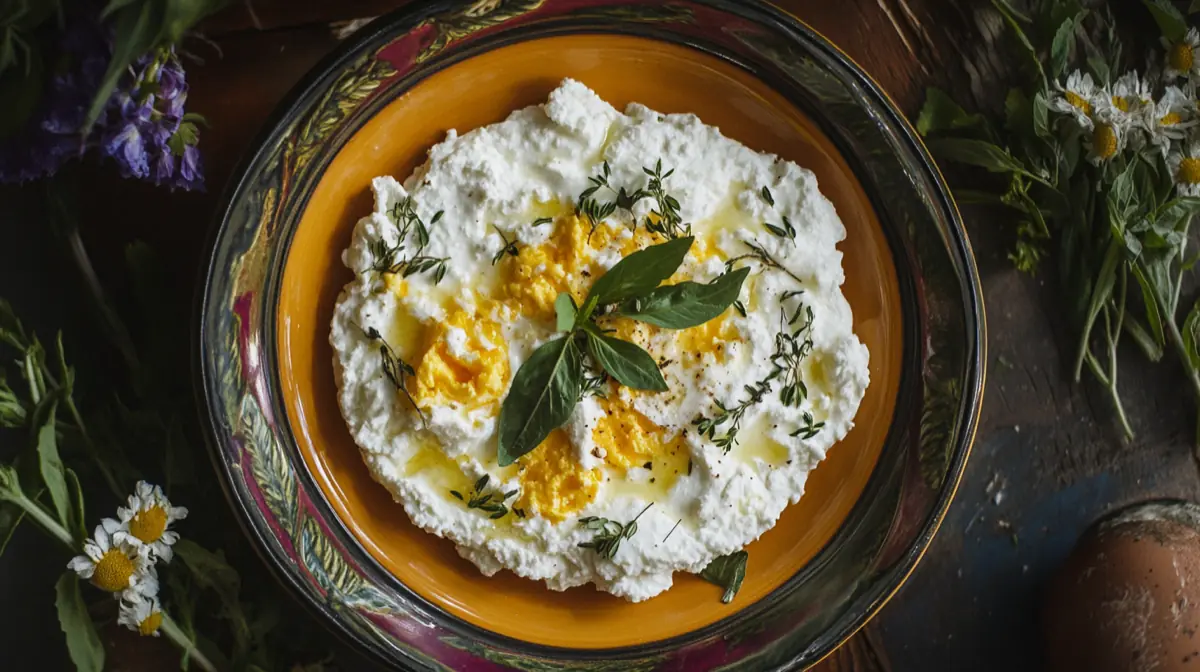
(1116, 225)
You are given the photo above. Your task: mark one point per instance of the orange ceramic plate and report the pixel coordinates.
(483, 90)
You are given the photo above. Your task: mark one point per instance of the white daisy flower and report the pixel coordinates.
(1184, 161)
(1076, 98)
(1168, 120)
(116, 565)
(1130, 94)
(1181, 57)
(141, 616)
(146, 519)
(1109, 133)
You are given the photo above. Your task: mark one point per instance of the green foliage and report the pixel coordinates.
(1170, 21)
(83, 644)
(1113, 225)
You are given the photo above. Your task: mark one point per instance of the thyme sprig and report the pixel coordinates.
(592, 208)
(492, 502)
(809, 429)
(732, 416)
(388, 259)
(759, 253)
(665, 220)
(793, 344)
(609, 533)
(396, 369)
(509, 249)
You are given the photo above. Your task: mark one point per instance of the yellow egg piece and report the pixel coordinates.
(628, 438)
(553, 483)
(708, 338)
(465, 363)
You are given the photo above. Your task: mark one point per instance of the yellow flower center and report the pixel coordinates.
(149, 525)
(1079, 102)
(1170, 119)
(1181, 57)
(150, 624)
(1189, 171)
(1104, 141)
(113, 571)
(1121, 103)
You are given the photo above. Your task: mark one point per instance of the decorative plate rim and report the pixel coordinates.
(408, 18)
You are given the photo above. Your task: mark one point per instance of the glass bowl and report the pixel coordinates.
(264, 365)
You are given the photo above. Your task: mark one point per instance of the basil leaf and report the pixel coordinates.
(543, 394)
(975, 153)
(641, 271)
(941, 113)
(728, 572)
(564, 307)
(687, 304)
(83, 644)
(629, 364)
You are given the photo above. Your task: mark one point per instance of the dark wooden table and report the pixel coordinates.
(1047, 460)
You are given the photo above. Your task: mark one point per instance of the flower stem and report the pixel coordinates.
(1193, 375)
(43, 519)
(180, 639)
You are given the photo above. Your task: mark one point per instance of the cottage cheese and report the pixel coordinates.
(467, 335)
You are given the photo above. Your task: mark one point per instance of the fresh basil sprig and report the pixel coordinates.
(549, 384)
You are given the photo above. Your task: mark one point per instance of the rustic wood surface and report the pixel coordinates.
(1047, 460)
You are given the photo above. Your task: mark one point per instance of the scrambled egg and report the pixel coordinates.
(553, 483)
(564, 263)
(465, 362)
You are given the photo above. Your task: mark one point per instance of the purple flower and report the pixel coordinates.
(128, 149)
(142, 129)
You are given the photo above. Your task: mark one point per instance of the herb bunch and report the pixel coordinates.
(609, 533)
(1102, 170)
(665, 219)
(551, 382)
(389, 260)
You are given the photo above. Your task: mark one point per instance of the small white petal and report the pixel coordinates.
(83, 566)
(112, 526)
(164, 552)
